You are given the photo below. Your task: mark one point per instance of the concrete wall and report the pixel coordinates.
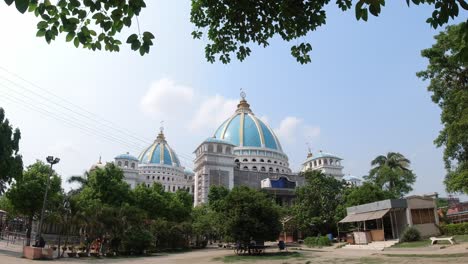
(427, 230)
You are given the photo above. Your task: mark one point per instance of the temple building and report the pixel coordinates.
(244, 151)
(156, 163)
(327, 163)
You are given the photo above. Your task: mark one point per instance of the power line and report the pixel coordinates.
(87, 115)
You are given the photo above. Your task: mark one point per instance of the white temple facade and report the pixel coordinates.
(327, 163)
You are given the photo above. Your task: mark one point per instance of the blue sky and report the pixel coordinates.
(358, 98)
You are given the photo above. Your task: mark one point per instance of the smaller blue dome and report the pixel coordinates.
(159, 153)
(126, 156)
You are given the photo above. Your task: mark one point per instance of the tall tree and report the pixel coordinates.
(392, 172)
(316, 201)
(249, 214)
(27, 192)
(448, 75)
(11, 163)
(231, 26)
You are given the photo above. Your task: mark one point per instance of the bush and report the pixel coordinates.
(455, 229)
(319, 241)
(136, 240)
(411, 234)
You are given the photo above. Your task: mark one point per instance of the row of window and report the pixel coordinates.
(164, 178)
(126, 164)
(218, 148)
(260, 160)
(252, 152)
(324, 162)
(168, 188)
(263, 169)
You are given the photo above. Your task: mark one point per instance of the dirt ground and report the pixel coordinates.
(452, 254)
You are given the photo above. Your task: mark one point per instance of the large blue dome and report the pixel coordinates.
(159, 153)
(244, 129)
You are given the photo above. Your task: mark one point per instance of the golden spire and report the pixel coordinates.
(160, 136)
(309, 153)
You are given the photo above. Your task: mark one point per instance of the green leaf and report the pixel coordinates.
(9, 2)
(76, 41)
(132, 38)
(70, 36)
(42, 25)
(40, 33)
(21, 5)
(148, 35)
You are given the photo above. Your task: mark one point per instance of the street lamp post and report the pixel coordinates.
(51, 161)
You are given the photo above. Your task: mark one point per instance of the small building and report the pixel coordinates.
(352, 180)
(387, 219)
(458, 212)
(327, 163)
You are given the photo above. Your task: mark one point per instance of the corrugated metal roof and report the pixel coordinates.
(364, 216)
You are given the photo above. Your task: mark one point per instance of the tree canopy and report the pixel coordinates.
(448, 75)
(11, 162)
(231, 26)
(391, 172)
(27, 192)
(317, 201)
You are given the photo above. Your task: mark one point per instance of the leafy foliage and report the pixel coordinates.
(455, 229)
(317, 201)
(410, 234)
(81, 20)
(11, 163)
(232, 26)
(392, 173)
(27, 192)
(318, 241)
(448, 75)
(248, 214)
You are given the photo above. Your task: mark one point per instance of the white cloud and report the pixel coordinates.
(287, 128)
(166, 99)
(212, 112)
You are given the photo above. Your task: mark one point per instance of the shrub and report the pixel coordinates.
(411, 234)
(319, 241)
(136, 240)
(455, 229)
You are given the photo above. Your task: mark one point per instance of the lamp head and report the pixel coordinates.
(50, 159)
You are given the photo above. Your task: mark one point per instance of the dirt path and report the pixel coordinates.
(326, 255)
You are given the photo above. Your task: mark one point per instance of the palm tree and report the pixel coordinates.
(394, 160)
(392, 172)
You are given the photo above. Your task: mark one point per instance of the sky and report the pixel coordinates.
(358, 98)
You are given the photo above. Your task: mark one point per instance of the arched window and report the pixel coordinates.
(245, 160)
(262, 169)
(119, 163)
(219, 148)
(164, 178)
(275, 162)
(277, 170)
(262, 160)
(153, 177)
(133, 165)
(315, 163)
(147, 177)
(281, 163)
(158, 178)
(254, 168)
(210, 148)
(126, 163)
(270, 169)
(246, 168)
(282, 170)
(228, 150)
(173, 188)
(237, 161)
(254, 160)
(269, 161)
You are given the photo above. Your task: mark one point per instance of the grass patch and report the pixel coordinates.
(461, 238)
(427, 242)
(266, 256)
(455, 255)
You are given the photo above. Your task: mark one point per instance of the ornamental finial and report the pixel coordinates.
(309, 153)
(242, 94)
(161, 128)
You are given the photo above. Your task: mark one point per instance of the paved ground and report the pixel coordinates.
(10, 255)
